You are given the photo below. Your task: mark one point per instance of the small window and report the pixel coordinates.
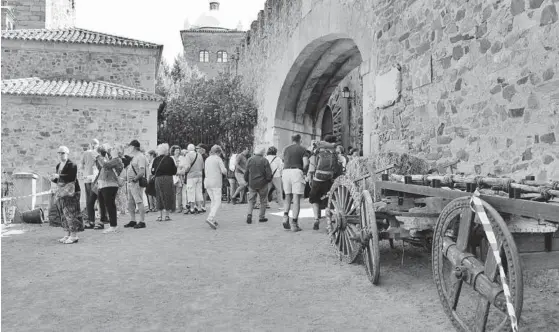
(204, 56)
(221, 56)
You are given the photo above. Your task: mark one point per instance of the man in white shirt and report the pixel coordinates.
(136, 170)
(277, 166)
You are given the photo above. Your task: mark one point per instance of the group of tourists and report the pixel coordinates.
(171, 179)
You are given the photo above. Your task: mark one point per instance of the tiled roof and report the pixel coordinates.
(75, 35)
(74, 88)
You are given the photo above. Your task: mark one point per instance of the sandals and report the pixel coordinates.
(62, 240)
(167, 218)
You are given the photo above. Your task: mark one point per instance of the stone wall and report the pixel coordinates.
(29, 14)
(194, 42)
(480, 78)
(135, 68)
(60, 14)
(34, 127)
(485, 90)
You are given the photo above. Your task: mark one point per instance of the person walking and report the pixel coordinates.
(214, 169)
(193, 170)
(136, 171)
(324, 167)
(163, 169)
(240, 168)
(276, 164)
(180, 172)
(293, 180)
(108, 184)
(67, 196)
(258, 175)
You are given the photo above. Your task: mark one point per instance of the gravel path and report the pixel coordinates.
(182, 276)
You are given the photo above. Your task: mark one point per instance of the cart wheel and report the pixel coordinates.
(343, 215)
(371, 256)
(462, 256)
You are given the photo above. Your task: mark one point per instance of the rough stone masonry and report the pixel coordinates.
(479, 79)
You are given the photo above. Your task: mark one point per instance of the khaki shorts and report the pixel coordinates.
(293, 181)
(135, 192)
(240, 179)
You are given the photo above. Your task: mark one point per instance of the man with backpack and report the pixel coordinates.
(324, 168)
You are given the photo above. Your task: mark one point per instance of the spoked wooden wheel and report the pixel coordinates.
(369, 238)
(462, 256)
(343, 214)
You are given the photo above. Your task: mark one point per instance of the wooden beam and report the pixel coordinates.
(540, 260)
(532, 209)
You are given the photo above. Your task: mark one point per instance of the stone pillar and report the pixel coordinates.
(345, 121)
(25, 184)
(368, 109)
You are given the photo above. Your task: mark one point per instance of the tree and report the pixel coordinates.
(209, 111)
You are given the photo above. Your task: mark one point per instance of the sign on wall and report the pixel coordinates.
(388, 88)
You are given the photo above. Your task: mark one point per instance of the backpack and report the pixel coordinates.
(328, 166)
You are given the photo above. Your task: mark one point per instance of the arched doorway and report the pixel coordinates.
(327, 123)
(311, 80)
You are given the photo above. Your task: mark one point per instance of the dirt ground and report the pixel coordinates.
(182, 276)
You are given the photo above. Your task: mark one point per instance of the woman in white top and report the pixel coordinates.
(214, 169)
(276, 164)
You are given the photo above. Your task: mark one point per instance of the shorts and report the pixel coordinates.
(293, 181)
(240, 179)
(319, 192)
(135, 192)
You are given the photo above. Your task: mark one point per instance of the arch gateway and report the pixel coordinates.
(476, 81)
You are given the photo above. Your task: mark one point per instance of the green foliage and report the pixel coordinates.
(200, 110)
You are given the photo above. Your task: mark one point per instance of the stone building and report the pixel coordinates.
(209, 45)
(66, 85)
(473, 81)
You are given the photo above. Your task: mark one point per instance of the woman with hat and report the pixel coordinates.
(67, 197)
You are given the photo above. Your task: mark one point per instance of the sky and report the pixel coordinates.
(159, 21)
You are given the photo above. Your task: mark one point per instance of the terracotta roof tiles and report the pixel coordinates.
(34, 86)
(75, 35)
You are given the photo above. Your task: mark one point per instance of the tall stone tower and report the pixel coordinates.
(38, 14)
(209, 45)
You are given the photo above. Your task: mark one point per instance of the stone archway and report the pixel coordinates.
(314, 75)
(327, 127)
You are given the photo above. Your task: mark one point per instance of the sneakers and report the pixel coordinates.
(263, 219)
(110, 230)
(286, 222)
(249, 219)
(141, 224)
(295, 227)
(130, 224)
(212, 224)
(316, 224)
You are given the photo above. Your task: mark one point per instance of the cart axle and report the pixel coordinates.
(472, 271)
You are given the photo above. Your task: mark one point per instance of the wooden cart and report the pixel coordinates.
(436, 212)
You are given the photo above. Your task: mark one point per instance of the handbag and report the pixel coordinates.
(143, 182)
(66, 190)
(150, 189)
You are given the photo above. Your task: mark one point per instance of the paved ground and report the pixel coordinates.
(183, 276)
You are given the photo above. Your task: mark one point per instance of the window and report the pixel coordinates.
(204, 56)
(221, 56)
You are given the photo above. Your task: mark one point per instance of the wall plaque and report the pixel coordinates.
(388, 88)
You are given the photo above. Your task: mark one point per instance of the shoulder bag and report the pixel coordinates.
(95, 184)
(150, 189)
(143, 182)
